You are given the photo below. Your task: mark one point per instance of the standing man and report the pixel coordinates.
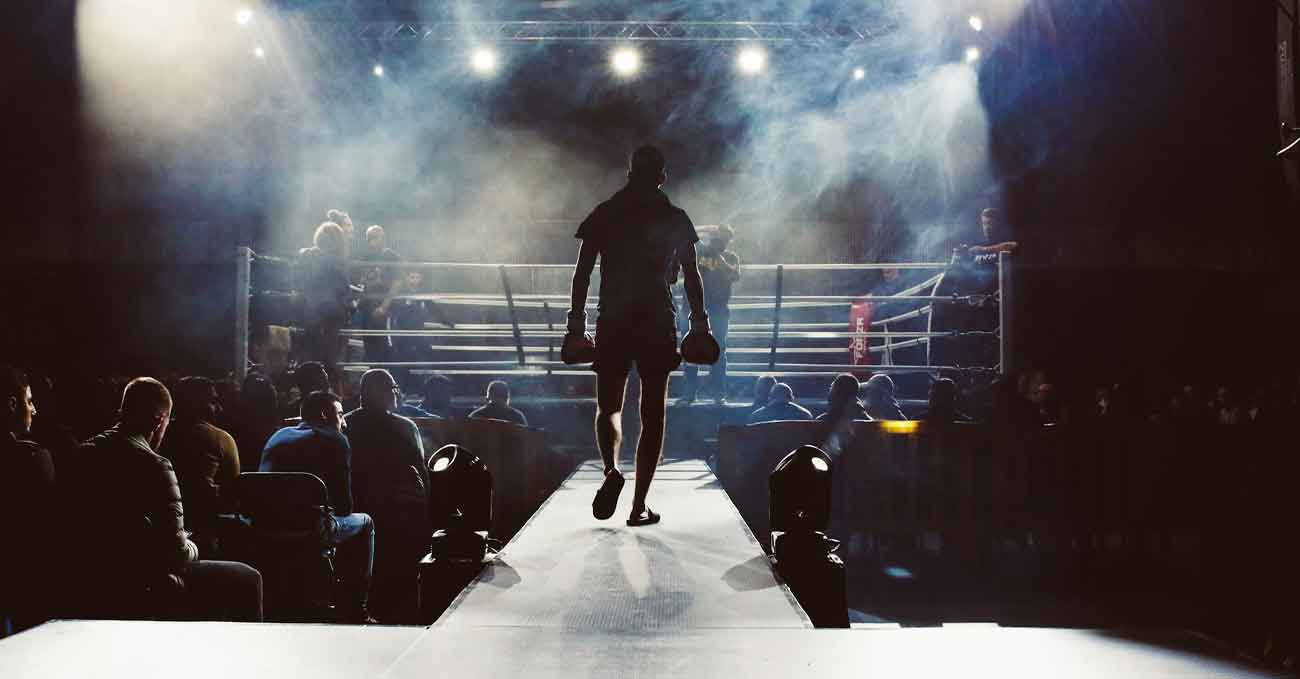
(637, 233)
(719, 270)
(378, 284)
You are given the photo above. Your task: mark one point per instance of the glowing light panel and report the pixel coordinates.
(899, 426)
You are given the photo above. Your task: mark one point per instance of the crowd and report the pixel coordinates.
(138, 506)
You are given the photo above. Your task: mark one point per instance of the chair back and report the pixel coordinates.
(287, 505)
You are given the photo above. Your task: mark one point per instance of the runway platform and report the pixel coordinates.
(574, 597)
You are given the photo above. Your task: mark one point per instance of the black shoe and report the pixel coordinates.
(645, 518)
(607, 497)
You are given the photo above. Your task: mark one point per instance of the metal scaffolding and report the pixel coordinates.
(830, 34)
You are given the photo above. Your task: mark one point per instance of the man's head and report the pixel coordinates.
(782, 393)
(437, 392)
(378, 390)
(646, 166)
(330, 239)
(991, 223)
(196, 399)
(414, 281)
(943, 394)
(342, 219)
(879, 389)
(323, 409)
(498, 392)
(258, 394)
(843, 390)
(723, 237)
(375, 238)
(311, 376)
(146, 409)
(19, 409)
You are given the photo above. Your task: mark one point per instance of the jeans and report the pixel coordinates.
(354, 535)
(719, 319)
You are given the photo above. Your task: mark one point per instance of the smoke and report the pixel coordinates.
(459, 165)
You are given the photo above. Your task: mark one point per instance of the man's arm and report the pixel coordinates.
(1007, 246)
(578, 290)
(732, 261)
(694, 286)
(168, 518)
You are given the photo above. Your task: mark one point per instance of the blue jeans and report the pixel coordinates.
(354, 535)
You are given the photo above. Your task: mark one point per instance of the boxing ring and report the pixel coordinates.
(510, 319)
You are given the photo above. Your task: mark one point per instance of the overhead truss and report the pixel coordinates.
(842, 33)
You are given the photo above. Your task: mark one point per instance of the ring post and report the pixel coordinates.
(1005, 320)
(550, 341)
(776, 318)
(243, 284)
(514, 315)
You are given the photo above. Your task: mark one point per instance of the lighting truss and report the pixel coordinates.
(830, 34)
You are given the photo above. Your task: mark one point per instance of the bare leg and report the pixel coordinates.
(649, 446)
(610, 387)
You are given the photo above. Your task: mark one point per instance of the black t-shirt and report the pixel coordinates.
(637, 233)
(323, 280)
(718, 273)
(377, 281)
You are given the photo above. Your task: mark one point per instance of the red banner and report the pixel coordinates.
(859, 321)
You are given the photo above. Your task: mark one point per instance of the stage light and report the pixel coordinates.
(976, 23)
(859, 73)
(378, 70)
(799, 491)
(625, 61)
(751, 60)
(972, 55)
(243, 16)
(259, 52)
(484, 60)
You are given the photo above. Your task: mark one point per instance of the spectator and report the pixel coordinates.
(48, 430)
(762, 391)
(389, 480)
(842, 402)
(119, 477)
(256, 420)
(437, 397)
(317, 446)
(378, 285)
(880, 401)
(498, 405)
(780, 406)
(204, 456)
(943, 403)
(309, 377)
(27, 492)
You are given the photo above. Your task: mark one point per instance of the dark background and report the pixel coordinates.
(1133, 144)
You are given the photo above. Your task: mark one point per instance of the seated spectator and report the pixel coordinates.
(27, 491)
(389, 482)
(842, 402)
(205, 458)
(943, 403)
(48, 428)
(308, 378)
(780, 406)
(498, 405)
(127, 497)
(256, 419)
(317, 446)
(762, 391)
(437, 397)
(880, 402)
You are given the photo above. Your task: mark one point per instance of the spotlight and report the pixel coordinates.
(243, 16)
(976, 23)
(378, 70)
(859, 73)
(484, 60)
(972, 55)
(259, 52)
(751, 60)
(625, 61)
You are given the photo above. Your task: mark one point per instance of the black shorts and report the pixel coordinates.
(650, 344)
